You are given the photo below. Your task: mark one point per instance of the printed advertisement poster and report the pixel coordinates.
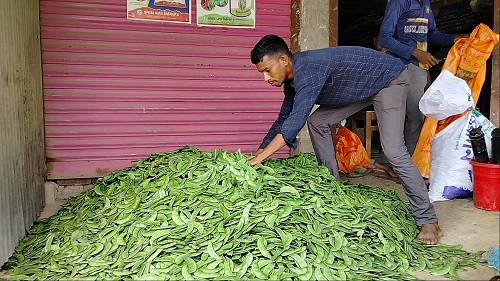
(159, 10)
(227, 13)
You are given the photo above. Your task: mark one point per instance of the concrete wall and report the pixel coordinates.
(22, 149)
(314, 24)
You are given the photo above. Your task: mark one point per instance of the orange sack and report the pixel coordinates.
(349, 151)
(467, 60)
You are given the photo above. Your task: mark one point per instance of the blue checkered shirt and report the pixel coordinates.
(335, 76)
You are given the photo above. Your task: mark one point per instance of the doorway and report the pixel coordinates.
(359, 22)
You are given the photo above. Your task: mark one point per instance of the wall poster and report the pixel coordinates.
(227, 13)
(159, 10)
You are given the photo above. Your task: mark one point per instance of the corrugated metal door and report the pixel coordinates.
(22, 156)
(117, 90)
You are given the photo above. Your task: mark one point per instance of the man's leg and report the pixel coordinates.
(419, 78)
(390, 105)
(319, 124)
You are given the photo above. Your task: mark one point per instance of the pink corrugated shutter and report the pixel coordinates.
(118, 90)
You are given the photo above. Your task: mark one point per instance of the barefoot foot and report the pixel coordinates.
(430, 233)
(387, 170)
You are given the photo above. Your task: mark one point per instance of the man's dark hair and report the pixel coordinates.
(269, 45)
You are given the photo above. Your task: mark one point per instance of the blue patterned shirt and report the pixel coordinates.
(409, 25)
(335, 76)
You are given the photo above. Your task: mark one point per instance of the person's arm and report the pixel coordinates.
(393, 12)
(308, 85)
(436, 37)
(286, 107)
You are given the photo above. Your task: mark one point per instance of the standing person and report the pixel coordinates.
(342, 80)
(408, 26)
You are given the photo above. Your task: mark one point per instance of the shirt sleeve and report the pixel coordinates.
(308, 84)
(386, 39)
(436, 37)
(286, 107)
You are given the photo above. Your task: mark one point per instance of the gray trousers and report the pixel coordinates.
(390, 107)
(419, 79)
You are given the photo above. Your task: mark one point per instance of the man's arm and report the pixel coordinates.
(286, 107)
(436, 37)
(308, 86)
(386, 39)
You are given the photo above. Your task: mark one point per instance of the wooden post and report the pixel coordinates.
(495, 70)
(295, 45)
(334, 23)
(295, 26)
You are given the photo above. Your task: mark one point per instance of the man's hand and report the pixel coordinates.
(259, 151)
(425, 58)
(261, 154)
(255, 161)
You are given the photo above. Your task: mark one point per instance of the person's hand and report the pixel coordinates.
(255, 161)
(259, 151)
(252, 158)
(262, 154)
(425, 58)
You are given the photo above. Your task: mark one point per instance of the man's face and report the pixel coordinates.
(274, 69)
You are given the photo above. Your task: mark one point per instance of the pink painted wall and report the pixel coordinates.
(117, 90)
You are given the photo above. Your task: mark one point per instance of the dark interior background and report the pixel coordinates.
(359, 22)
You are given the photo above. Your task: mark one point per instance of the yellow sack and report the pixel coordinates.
(467, 60)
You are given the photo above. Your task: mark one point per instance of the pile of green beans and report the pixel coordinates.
(190, 214)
